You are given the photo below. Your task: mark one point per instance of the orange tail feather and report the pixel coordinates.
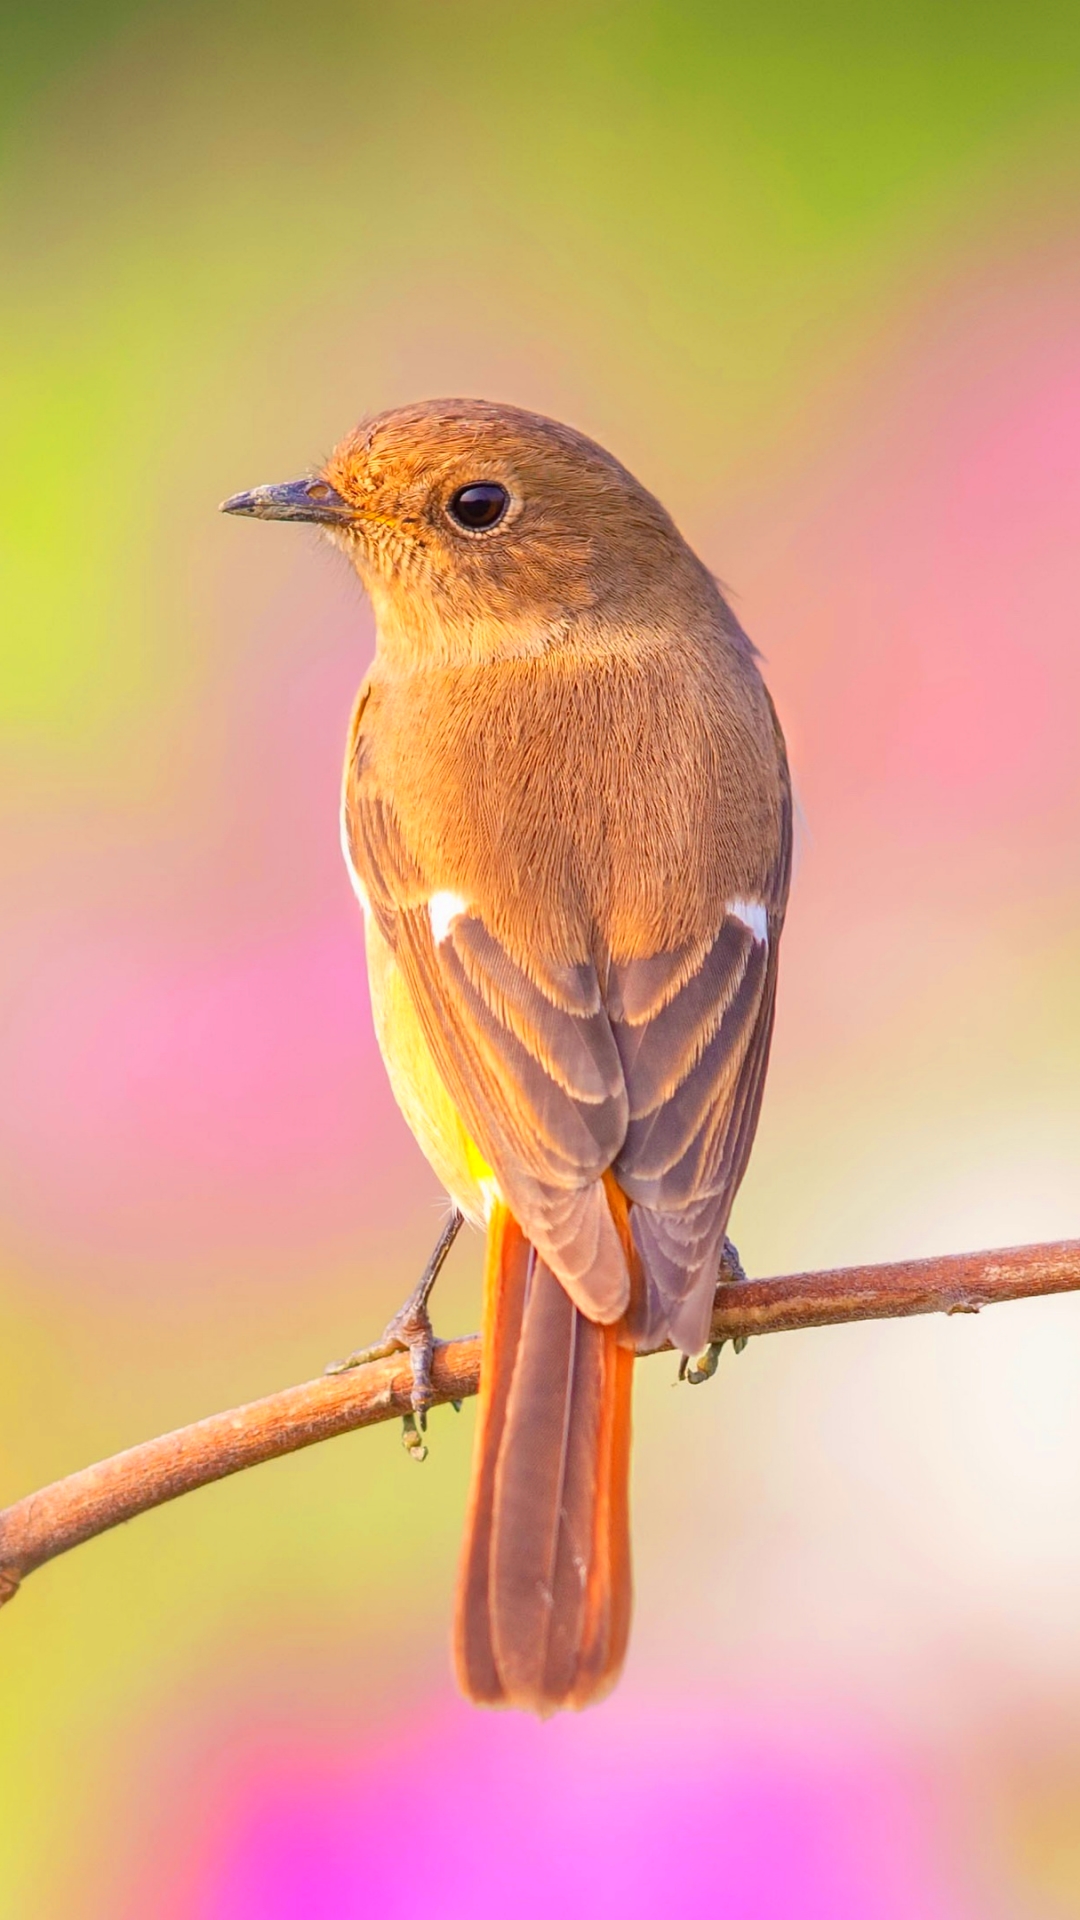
(544, 1592)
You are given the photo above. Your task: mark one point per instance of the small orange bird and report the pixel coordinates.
(567, 815)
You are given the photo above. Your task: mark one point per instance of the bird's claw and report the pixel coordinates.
(703, 1368)
(410, 1331)
(412, 1437)
(382, 1350)
(698, 1370)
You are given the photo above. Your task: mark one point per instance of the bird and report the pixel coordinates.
(566, 811)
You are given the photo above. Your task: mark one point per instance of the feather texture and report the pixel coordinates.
(544, 1592)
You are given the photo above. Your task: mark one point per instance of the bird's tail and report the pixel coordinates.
(544, 1591)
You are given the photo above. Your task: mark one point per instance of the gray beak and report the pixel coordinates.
(293, 500)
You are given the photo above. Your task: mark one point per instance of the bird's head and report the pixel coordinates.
(482, 531)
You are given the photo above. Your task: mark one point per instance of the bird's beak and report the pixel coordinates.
(294, 500)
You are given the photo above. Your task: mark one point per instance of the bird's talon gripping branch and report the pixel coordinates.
(696, 1372)
(704, 1366)
(410, 1331)
(382, 1350)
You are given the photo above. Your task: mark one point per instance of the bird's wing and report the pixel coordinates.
(526, 1052)
(693, 1031)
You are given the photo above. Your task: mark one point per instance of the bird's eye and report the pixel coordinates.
(480, 506)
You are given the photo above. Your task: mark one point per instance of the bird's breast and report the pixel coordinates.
(575, 799)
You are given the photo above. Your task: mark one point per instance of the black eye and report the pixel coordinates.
(479, 506)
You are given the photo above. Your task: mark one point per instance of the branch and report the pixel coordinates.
(60, 1516)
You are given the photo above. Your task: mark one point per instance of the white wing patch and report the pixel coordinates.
(358, 886)
(443, 909)
(754, 916)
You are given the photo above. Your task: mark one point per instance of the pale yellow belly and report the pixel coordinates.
(417, 1087)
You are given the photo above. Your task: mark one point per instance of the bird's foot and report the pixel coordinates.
(703, 1367)
(410, 1331)
(697, 1371)
(731, 1267)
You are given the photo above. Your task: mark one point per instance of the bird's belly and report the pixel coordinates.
(418, 1088)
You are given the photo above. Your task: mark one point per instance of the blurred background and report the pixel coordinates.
(813, 274)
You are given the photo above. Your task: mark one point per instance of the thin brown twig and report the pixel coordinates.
(60, 1516)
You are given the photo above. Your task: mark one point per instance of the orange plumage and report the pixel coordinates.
(544, 1593)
